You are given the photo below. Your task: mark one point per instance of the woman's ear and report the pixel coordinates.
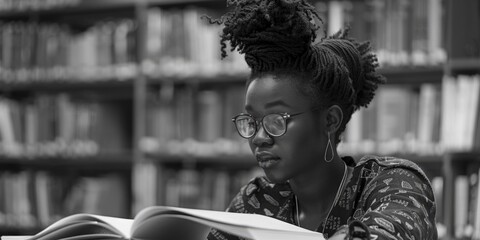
(334, 118)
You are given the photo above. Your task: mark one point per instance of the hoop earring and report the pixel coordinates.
(329, 146)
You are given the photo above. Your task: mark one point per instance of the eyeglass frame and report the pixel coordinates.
(285, 117)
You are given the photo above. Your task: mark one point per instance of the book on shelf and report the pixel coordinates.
(394, 103)
(172, 223)
(428, 129)
(461, 205)
(476, 208)
(471, 216)
(209, 115)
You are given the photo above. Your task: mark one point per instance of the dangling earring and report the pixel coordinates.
(329, 146)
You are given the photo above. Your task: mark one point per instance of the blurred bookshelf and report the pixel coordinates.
(133, 95)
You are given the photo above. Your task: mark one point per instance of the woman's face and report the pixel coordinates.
(297, 152)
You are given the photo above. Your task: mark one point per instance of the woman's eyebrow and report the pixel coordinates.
(278, 102)
(275, 103)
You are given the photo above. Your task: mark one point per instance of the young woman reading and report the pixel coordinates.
(299, 98)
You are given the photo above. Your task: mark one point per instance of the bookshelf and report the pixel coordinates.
(168, 99)
(67, 111)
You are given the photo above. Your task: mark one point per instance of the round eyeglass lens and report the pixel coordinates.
(245, 125)
(274, 124)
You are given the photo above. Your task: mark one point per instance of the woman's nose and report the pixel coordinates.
(261, 137)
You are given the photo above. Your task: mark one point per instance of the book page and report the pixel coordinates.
(178, 226)
(121, 225)
(14, 237)
(246, 225)
(170, 227)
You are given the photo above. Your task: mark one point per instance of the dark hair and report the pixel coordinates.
(277, 37)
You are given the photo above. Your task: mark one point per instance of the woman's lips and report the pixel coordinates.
(266, 160)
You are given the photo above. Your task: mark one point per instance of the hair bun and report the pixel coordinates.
(269, 32)
(361, 63)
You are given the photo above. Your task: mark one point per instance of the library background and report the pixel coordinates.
(109, 106)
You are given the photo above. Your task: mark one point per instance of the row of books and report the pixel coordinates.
(180, 113)
(60, 125)
(430, 120)
(207, 188)
(466, 217)
(180, 42)
(36, 199)
(34, 51)
(400, 119)
(35, 5)
(426, 119)
(408, 32)
(461, 112)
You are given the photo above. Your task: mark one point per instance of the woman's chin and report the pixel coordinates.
(275, 177)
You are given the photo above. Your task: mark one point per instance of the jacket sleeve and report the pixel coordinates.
(399, 204)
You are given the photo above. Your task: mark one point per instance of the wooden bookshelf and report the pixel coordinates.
(233, 161)
(65, 102)
(222, 78)
(467, 63)
(112, 85)
(466, 66)
(413, 75)
(88, 6)
(105, 163)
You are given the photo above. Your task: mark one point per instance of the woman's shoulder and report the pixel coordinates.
(372, 165)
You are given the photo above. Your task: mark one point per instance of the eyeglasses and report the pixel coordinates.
(274, 124)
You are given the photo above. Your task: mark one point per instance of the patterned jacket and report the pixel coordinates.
(390, 196)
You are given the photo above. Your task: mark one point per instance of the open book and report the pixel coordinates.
(171, 223)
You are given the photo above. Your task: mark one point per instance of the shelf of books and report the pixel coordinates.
(461, 125)
(67, 71)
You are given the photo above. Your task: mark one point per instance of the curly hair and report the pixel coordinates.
(278, 37)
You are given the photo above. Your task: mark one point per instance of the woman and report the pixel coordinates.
(299, 98)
